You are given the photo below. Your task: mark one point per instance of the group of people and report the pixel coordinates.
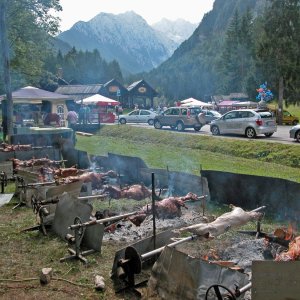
(82, 117)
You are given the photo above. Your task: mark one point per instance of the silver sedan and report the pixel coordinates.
(295, 133)
(138, 116)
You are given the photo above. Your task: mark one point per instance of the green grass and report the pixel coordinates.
(185, 152)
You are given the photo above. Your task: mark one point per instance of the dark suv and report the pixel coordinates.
(179, 117)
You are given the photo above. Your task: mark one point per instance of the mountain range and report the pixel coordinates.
(191, 70)
(128, 39)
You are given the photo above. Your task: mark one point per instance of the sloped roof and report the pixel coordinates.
(133, 85)
(227, 103)
(33, 94)
(134, 88)
(79, 89)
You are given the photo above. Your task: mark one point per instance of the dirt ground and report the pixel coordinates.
(23, 255)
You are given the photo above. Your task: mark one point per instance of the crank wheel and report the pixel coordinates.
(219, 292)
(34, 204)
(80, 230)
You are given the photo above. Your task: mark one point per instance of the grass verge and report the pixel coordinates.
(186, 152)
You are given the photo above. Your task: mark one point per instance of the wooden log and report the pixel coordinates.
(84, 133)
(237, 217)
(46, 275)
(99, 283)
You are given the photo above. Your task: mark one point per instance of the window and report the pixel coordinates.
(184, 111)
(61, 112)
(231, 115)
(265, 115)
(134, 113)
(144, 113)
(173, 112)
(245, 114)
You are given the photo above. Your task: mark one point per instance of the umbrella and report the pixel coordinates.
(98, 100)
(192, 101)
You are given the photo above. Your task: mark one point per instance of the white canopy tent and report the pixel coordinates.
(192, 101)
(98, 100)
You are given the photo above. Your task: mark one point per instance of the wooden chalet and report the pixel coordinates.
(136, 93)
(112, 89)
(141, 90)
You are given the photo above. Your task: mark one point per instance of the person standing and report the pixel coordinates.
(201, 118)
(87, 114)
(72, 118)
(81, 114)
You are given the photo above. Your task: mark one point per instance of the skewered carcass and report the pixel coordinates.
(236, 217)
(9, 148)
(136, 192)
(167, 208)
(97, 179)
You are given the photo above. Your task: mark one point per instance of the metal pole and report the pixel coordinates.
(245, 288)
(153, 210)
(158, 250)
(203, 201)
(90, 223)
(258, 209)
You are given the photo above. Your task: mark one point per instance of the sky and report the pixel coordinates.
(151, 10)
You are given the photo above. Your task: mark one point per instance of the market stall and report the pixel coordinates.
(101, 108)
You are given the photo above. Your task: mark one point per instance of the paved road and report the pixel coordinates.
(281, 136)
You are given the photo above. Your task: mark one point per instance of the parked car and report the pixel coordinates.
(209, 114)
(138, 116)
(179, 117)
(249, 122)
(287, 117)
(295, 133)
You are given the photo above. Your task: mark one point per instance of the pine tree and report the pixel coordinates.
(278, 47)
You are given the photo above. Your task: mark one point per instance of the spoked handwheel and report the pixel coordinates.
(80, 230)
(219, 292)
(34, 204)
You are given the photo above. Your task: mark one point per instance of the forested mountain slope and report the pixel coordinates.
(191, 70)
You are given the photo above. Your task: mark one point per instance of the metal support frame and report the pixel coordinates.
(132, 262)
(76, 240)
(221, 292)
(3, 181)
(39, 207)
(79, 231)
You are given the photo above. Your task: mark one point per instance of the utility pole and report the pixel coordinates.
(7, 110)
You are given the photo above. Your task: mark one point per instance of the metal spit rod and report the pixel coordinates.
(158, 250)
(245, 288)
(38, 184)
(94, 222)
(92, 197)
(258, 209)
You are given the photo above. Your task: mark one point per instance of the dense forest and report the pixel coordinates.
(237, 46)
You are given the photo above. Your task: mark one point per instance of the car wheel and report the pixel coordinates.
(180, 126)
(157, 124)
(297, 136)
(250, 133)
(295, 122)
(269, 134)
(151, 122)
(215, 130)
(122, 121)
(197, 128)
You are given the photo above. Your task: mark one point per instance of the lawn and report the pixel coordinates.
(184, 152)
